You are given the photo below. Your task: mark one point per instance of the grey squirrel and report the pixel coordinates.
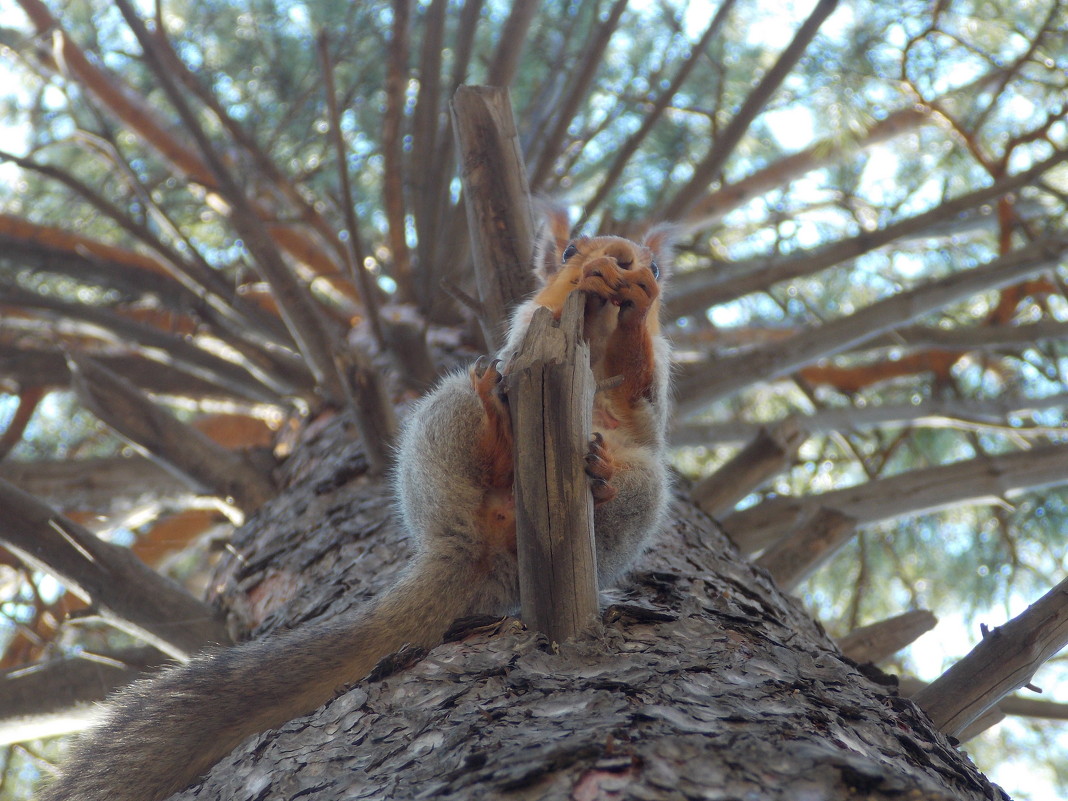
(453, 486)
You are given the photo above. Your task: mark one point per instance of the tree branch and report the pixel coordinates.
(879, 641)
(123, 590)
(695, 291)
(152, 342)
(176, 445)
(393, 149)
(579, 83)
(734, 373)
(795, 556)
(970, 414)
(297, 307)
(61, 696)
(980, 480)
(769, 453)
(652, 115)
(724, 144)
(1004, 661)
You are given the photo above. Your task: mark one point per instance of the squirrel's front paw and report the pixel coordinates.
(486, 378)
(600, 469)
(637, 294)
(602, 277)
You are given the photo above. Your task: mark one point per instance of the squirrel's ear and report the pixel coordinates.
(553, 238)
(661, 240)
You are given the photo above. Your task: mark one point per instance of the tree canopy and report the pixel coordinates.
(206, 199)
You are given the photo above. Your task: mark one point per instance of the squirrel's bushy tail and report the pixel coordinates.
(162, 733)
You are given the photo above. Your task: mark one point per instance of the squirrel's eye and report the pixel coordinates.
(569, 251)
(655, 269)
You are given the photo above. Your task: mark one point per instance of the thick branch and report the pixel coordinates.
(497, 196)
(163, 437)
(1004, 661)
(769, 452)
(734, 373)
(795, 556)
(105, 485)
(981, 480)
(882, 640)
(550, 393)
(1009, 705)
(122, 589)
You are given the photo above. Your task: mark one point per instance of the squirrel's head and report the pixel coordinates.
(555, 247)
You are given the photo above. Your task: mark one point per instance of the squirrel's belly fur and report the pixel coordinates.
(453, 487)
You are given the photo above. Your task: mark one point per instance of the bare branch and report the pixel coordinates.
(354, 253)
(62, 696)
(1009, 705)
(795, 556)
(579, 84)
(693, 292)
(769, 453)
(824, 152)
(734, 373)
(510, 44)
(972, 414)
(651, 116)
(723, 146)
(123, 590)
(152, 342)
(105, 485)
(133, 416)
(297, 306)
(1004, 661)
(375, 418)
(393, 146)
(880, 641)
(985, 479)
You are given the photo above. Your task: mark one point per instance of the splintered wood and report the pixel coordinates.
(550, 390)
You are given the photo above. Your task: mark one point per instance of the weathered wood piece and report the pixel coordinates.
(497, 198)
(550, 390)
(1004, 661)
(121, 588)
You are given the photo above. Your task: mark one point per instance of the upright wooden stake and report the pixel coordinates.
(550, 390)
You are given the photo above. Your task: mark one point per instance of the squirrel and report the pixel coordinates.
(453, 481)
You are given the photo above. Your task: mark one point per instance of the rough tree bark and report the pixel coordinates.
(705, 680)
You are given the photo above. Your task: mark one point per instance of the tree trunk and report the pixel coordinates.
(702, 681)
